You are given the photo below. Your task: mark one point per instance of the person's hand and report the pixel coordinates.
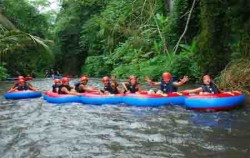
(203, 93)
(106, 93)
(146, 78)
(78, 94)
(184, 79)
(12, 90)
(127, 92)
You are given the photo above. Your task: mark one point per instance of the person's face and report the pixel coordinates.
(84, 82)
(166, 79)
(22, 83)
(66, 83)
(105, 82)
(58, 83)
(206, 79)
(133, 81)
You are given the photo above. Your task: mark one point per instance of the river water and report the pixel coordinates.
(35, 128)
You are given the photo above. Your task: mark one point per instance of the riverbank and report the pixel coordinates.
(236, 76)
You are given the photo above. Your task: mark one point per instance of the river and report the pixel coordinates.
(35, 128)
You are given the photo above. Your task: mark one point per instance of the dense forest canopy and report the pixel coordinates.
(137, 37)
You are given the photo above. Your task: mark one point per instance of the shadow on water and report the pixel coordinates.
(35, 128)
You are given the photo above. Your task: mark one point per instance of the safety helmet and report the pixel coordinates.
(106, 78)
(57, 81)
(65, 80)
(132, 78)
(166, 75)
(20, 77)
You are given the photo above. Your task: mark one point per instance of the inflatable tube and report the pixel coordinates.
(57, 77)
(22, 94)
(98, 99)
(153, 100)
(52, 97)
(214, 102)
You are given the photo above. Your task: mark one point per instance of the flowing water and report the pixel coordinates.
(35, 128)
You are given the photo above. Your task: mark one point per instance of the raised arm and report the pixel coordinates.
(124, 85)
(150, 82)
(181, 82)
(14, 86)
(12, 89)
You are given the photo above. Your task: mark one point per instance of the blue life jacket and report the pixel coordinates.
(132, 88)
(22, 88)
(212, 88)
(168, 87)
(54, 87)
(110, 89)
(60, 89)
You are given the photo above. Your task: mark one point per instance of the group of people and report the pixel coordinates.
(63, 87)
(110, 85)
(51, 73)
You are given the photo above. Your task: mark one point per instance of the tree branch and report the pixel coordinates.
(186, 27)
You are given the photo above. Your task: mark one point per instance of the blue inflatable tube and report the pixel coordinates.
(52, 97)
(153, 100)
(214, 102)
(57, 77)
(23, 94)
(98, 99)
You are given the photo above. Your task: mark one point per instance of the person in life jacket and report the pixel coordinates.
(110, 88)
(56, 85)
(22, 86)
(167, 85)
(207, 87)
(132, 86)
(82, 87)
(14, 87)
(65, 88)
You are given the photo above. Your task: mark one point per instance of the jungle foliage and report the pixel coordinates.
(140, 37)
(22, 49)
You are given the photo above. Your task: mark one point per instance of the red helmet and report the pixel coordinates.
(57, 81)
(132, 78)
(20, 77)
(106, 78)
(166, 75)
(84, 78)
(65, 80)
